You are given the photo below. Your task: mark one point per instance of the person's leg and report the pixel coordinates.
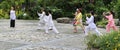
(51, 25)
(108, 28)
(46, 28)
(40, 25)
(75, 29)
(54, 29)
(115, 28)
(87, 29)
(98, 33)
(13, 23)
(82, 26)
(10, 23)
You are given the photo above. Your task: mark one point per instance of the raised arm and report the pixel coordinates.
(39, 15)
(42, 15)
(87, 18)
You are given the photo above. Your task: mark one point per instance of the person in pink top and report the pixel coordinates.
(111, 23)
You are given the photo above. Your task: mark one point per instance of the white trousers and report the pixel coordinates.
(87, 29)
(41, 24)
(53, 28)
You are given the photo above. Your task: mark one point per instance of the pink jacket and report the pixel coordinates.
(110, 20)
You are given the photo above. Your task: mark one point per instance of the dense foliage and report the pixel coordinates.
(60, 8)
(110, 41)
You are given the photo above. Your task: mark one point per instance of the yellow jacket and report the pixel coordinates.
(78, 17)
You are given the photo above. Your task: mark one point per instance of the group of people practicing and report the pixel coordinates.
(46, 21)
(90, 21)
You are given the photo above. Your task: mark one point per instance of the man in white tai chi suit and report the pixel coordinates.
(91, 25)
(49, 24)
(41, 17)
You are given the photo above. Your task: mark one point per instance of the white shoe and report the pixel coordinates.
(58, 33)
(50, 28)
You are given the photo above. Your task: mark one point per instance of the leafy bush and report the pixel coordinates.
(117, 6)
(4, 14)
(56, 12)
(90, 39)
(110, 41)
(102, 23)
(99, 12)
(20, 15)
(89, 7)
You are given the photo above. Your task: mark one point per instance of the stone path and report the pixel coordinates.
(26, 36)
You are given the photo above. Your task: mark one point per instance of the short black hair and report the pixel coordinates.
(46, 12)
(50, 11)
(112, 13)
(92, 12)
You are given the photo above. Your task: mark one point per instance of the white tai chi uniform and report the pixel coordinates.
(41, 21)
(12, 18)
(49, 23)
(91, 26)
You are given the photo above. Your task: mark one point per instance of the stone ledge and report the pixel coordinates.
(63, 20)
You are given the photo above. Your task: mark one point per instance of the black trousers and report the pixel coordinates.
(12, 23)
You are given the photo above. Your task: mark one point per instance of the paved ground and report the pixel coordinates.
(26, 36)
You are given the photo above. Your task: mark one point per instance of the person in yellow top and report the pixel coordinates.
(78, 20)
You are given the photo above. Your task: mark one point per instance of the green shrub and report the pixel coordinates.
(20, 15)
(99, 11)
(6, 16)
(90, 39)
(110, 41)
(56, 12)
(102, 23)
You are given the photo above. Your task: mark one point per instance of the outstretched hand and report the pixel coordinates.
(104, 14)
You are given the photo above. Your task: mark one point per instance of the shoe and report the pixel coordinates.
(75, 31)
(57, 33)
(50, 29)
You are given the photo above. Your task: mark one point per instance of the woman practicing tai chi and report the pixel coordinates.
(78, 20)
(41, 17)
(91, 24)
(111, 23)
(49, 22)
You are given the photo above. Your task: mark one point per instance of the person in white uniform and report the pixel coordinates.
(41, 17)
(91, 25)
(49, 22)
(12, 17)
